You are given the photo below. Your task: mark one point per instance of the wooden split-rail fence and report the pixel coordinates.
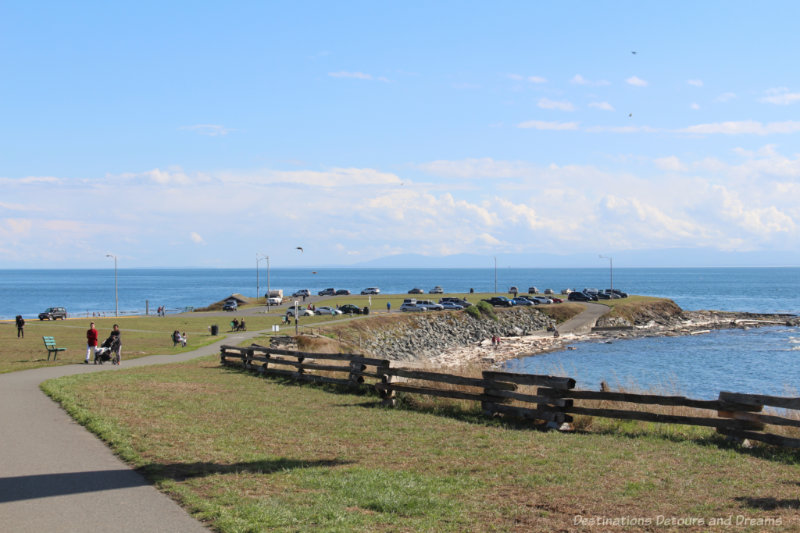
(538, 398)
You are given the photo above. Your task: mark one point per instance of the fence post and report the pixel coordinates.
(355, 376)
(739, 416)
(487, 406)
(387, 395)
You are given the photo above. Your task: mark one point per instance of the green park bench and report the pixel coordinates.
(50, 344)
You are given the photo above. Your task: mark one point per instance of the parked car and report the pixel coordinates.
(603, 296)
(522, 301)
(301, 293)
(326, 310)
(230, 305)
(617, 292)
(430, 306)
(556, 300)
(410, 306)
(350, 309)
(451, 306)
(549, 291)
(436, 290)
(327, 292)
(457, 301)
(371, 290)
(301, 311)
(577, 296)
(416, 291)
(532, 290)
(342, 292)
(499, 301)
(274, 300)
(513, 290)
(53, 313)
(541, 300)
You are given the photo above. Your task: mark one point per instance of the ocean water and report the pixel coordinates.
(28, 292)
(764, 361)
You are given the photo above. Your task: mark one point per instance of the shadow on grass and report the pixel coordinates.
(768, 504)
(157, 472)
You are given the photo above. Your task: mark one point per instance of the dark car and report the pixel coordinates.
(53, 313)
(416, 291)
(350, 309)
(457, 301)
(327, 292)
(230, 305)
(578, 296)
(499, 301)
(618, 292)
(342, 292)
(522, 301)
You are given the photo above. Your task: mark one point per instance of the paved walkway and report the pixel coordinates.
(585, 321)
(55, 476)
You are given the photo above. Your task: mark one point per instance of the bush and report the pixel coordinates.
(473, 311)
(486, 309)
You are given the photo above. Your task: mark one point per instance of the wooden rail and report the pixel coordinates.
(538, 398)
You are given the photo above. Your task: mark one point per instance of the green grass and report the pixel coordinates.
(251, 454)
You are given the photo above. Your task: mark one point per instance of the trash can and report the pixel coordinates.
(366, 310)
(214, 329)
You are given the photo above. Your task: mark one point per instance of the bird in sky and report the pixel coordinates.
(633, 52)
(300, 248)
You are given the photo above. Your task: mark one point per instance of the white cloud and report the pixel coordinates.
(780, 96)
(694, 106)
(482, 168)
(211, 130)
(726, 97)
(636, 81)
(695, 83)
(537, 79)
(605, 106)
(744, 127)
(546, 103)
(577, 79)
(515, 77)
(357, 76)
(671, 164)
(548, 126)
(196, 238)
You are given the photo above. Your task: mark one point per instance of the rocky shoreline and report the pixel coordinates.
(450, 340)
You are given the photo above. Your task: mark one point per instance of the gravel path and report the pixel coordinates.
(55, 476)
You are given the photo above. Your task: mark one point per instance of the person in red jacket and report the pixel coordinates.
(91, 342)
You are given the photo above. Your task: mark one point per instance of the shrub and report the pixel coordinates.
(486, 309)
(473, 311)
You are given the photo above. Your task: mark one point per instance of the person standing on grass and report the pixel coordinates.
(388, 307)
(20, 327)
(116, 345)
(91, 343)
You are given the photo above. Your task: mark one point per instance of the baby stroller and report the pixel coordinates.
(104, 352)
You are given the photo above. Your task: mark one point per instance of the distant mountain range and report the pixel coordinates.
(670, 258)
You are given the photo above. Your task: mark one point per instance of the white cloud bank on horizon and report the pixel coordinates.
(747, 204)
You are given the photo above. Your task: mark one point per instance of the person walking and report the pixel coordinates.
(388, 307)
(91, 343)
(116, 345)
(20, 327)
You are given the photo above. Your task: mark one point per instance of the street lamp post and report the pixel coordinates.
(116, 293)
(258, 276)
(610, 268)
(495, 274)
(265, 258)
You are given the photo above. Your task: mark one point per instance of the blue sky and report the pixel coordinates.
(201, 134)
